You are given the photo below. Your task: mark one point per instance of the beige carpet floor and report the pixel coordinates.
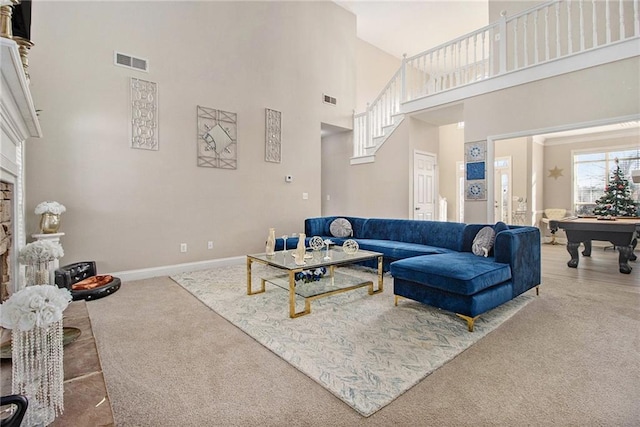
(570, 358)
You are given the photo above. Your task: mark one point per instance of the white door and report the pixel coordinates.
(424, 186)
(502, 190)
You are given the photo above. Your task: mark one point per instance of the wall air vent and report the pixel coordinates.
(329, 99)
(128, 61)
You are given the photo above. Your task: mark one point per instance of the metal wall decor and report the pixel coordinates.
(273, 136)
(144, 114)
(475, 156)
(217, 139)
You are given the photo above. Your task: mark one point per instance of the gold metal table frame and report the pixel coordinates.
(284, 261)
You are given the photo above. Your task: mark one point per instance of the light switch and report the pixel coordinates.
(305, 196)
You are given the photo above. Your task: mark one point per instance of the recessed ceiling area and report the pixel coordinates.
(412, 27)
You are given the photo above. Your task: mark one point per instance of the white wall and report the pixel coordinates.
(130, 209)
(451, 150)
(375, 68)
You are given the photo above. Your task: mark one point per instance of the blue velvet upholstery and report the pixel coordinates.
(432, 262)
(469, 305)
(520, 248)
(459, 272)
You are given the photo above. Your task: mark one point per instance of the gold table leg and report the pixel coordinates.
(249, 290)
(380, 278)
(292, 298)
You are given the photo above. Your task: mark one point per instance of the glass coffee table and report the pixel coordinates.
(333, 282)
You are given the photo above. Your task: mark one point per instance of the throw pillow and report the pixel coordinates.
(483, 242)
(341, 227)
(500, 226)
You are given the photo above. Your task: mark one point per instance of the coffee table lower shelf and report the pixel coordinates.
(331, 284)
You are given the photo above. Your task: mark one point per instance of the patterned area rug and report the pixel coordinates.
(358, 346)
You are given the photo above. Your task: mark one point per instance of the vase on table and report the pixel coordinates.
(49, 223)
(301, 250)
(270, 250)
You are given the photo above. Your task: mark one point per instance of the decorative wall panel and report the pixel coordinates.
(144, 114)
(475, 155)
(273, 137)
(217, 138)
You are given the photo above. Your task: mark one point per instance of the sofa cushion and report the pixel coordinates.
(432, 233)
(483, 242)
(398, 250)
(460, 273)
(341, 227)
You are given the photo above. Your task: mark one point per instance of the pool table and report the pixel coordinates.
(621, 232)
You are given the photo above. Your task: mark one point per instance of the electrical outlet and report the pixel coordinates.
(209, 244)
(183, 247)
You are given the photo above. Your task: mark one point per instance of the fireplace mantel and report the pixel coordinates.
(18, 121)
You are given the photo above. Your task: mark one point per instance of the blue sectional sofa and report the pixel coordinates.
(432, 262)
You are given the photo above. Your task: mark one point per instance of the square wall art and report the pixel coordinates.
(217, 139)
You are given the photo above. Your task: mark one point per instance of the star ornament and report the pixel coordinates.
(555, 173)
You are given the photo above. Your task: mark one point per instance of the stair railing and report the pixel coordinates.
(544, 33)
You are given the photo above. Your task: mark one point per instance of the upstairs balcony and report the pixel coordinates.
(557, 37)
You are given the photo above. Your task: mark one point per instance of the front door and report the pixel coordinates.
(424, 186)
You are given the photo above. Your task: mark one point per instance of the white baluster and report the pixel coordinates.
(423, 70)
(621, 9)
(490, 52)
(431, 76)
(524, 41)
(580, 2)
(535, 37)
(636, 20)
(467, 55)
(569, 29)
(503, 42)
(594, 23)
(484, 71)
(369, 126)
(558, 50)
(475, 54)
(460, 67)
(403, 77)
(515, 44)
(546, 33)
(444, 68)
(607, 21)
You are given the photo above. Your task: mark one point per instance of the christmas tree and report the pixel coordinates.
(617, 199)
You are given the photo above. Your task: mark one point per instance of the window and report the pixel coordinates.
(592, 171)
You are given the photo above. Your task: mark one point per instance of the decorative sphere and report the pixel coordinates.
(350, 247)
(316, 243)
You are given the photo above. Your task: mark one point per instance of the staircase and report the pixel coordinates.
(556, 37)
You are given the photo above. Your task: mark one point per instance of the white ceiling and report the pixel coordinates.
(412, 27)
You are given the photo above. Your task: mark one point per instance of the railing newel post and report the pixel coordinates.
(502, 32)
(369, 124)
(403, 79)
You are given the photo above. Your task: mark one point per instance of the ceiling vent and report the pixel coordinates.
(329, 99)
(128, 61)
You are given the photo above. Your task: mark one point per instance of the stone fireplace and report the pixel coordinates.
(6, 238)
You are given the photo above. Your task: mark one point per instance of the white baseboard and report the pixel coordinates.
(168, 270)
